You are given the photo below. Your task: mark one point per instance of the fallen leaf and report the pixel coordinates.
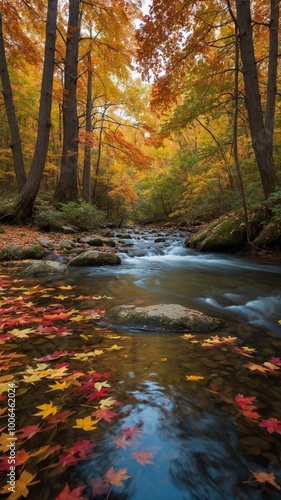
(66, 494)
(87, 424)
(116, 477)
(194, 377)
(266, 477)
(143, 457)
(272, 425)
(46, 409)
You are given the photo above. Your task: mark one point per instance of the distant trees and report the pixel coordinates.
(180, 38)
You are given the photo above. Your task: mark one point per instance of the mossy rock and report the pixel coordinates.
(160, 318)
(228, 235)
(2, 230)
(270, 236)
(45, 268)
(11, 252)
(95, 258)
(34, 252)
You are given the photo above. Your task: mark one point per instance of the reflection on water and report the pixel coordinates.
(174, 430)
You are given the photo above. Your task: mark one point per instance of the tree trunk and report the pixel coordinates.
(67, 186)
(11, 115)
(97, 168)
(25, 201)
(272, 71)
(86, 193)
(261, 141)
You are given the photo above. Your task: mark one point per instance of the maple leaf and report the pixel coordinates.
(25, 480)
(188, 336)
(46, 409)
(115, 347)
(58, 386)
(116, 477)
(107, 402)
(29, 431)
(66, 494)
(272, 425)
(263, 477)
(60, 417)
(122, 442)
(244, 401)
(97, 394)
(87, 424)
(194, 377)
(255, 367)
(82, 448)
(275, 361)
(54, 355)
(105, 414)
(68, 460)
(272, 367)
(130, 432)
(250, 413)
(143, 457)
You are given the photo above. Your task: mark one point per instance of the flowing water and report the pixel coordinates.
(180, 430)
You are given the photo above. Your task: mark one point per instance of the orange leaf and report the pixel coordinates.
(116, 477)
(143, 457)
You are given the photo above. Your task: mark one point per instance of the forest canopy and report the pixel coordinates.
(140, 109)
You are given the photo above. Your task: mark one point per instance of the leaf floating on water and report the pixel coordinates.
(66, 494)
(194, 377)
(87, 424)
(143, 457)
(116, 477)
(272, 425)
(266, 477)
(25, 480)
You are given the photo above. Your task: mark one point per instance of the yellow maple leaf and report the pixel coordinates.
(58, 386)
(87, 424)
(194, 377)
(21, 333)
(4, 440)
(66, 287)
(85, 337)
(60, 297)
(115, 347)
(25, 479)
(188, 336)
(77, 318)
(46, 409)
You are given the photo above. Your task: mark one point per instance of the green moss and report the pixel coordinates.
(270, 236)
(34, 252)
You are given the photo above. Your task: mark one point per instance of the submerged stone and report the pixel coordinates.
(160, 317)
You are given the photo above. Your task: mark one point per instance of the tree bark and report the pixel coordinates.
(261, 141)
(24, 203)
(67, 186)
(86, 193)
(15, 145)
(272, 71)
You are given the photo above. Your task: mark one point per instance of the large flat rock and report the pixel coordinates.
(160, 317)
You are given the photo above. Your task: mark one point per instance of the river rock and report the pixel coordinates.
(97, 241)
(45, 268)
(160, 317)
(95, 258)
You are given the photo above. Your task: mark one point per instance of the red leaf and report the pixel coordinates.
(105, 414)
(82, 448)
(131, 432)
(271, 425)
(66, 494)
(244, 401)
(29, 431)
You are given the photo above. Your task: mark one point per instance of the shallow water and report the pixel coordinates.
(177, 431)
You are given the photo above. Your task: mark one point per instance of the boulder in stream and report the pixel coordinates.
(160, 318)
(95, 258)
(45, 268)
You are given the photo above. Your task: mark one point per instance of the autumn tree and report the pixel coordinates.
(181, 38)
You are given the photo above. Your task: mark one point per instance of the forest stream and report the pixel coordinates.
(126, 414)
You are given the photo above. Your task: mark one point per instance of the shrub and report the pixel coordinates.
(82, 216)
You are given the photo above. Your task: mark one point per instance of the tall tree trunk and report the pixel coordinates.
(235, 139)
(262, 143)
(25, 201)
(15, 145)
(67, 186)
(86, 193)
(272, 71)
(97, 168)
